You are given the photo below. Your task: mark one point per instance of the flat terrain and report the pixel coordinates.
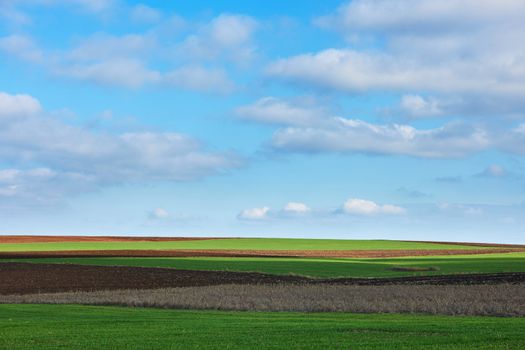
(24, 278)
(238, 244)
(317, 267)
(401, 286)
(94, 327)
(49, 239)
(501, 299)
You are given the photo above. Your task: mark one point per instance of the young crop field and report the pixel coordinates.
(324, 268)
(237, 244)
(96, 327)
(244, 293)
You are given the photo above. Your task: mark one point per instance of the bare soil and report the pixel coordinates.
(253, 253)
(27, 278)
(474, 244)
(58, 239)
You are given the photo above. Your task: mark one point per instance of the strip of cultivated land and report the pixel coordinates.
(474, 300)
(319, 268)
(24, 278)
(49, 239)
(255, 253)
(95, 327)
(239, 244)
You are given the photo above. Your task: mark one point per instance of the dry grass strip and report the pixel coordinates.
(485, 300)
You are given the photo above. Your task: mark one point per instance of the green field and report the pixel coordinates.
(235, 244)
(91, 327)
(486, 263)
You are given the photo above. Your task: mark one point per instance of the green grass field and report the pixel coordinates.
(234, 244)
(486, 263)
(90, 327)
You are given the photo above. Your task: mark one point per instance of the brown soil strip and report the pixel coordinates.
(499, 245)
(251, 253)
(27, 278)
(58, 239)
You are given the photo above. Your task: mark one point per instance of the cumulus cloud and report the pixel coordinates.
(159, 214)
(254, 214)
(196, 62)
(12, 106)
(355, 71)
(92, 6)
(21, 47)
(357, 136)
(402, 16)
(356, 206)
(199, 79)
(273, 110)
(227, 36)
(417, 106)
(83, 158)
(102, 46)
(462, 51)
(513, 141)
(145, 14)
(493, 170)
(128, 73)
(296, 208)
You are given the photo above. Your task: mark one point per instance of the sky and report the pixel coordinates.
(364, 119)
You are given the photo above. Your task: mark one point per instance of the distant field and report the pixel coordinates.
(89, 327)
(327, 268)
(238, 244)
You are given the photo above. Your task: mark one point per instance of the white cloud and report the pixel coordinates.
(199, 79)
(460, 51)
(93, 6)
(102, 46)
(10, 14)
(121, 72)
(513, 141)
(77, 159)
(145, 14)
(355, 71)
(417, 106)
(493, 170)
(357, 136)
(227, 35)
(421, 15)
(21, 47)
(232, 30)
(296, 208)
(18, 105)
(276, 111)
(358, 206)
(159, 214)
(254, 214)
(197, 62)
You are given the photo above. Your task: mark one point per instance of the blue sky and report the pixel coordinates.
(396, 119)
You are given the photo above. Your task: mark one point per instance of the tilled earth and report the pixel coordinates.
(27, 278)
(57, 239)
(255, 253)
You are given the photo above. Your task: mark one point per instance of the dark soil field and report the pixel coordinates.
(26, 278)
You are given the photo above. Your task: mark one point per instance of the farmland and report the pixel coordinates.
(321, 293)
(66, 327)
(325, 268)
(235, 244)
